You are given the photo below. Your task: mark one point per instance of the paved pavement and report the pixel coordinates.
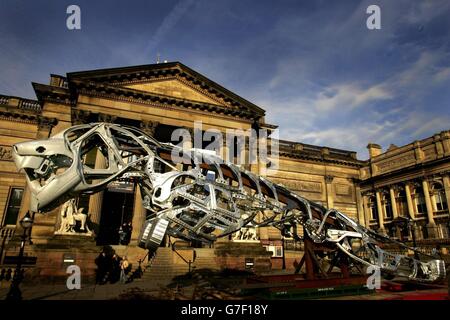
(87, 292)
(146, 290)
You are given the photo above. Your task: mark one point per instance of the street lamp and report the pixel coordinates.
(411, 226)
(14, 292)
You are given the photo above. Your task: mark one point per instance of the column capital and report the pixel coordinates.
(149, 127)
(329, 179)
(102, 117)
(426, 184)
(45, 123)
(368, 193)
(381, 190)
(406, 183)
(80, 116)
(396, 187)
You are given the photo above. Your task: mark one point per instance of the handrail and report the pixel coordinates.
(143, 259)
(188, 262)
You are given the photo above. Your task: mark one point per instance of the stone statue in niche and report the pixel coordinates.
(246, 234)
(73, 219)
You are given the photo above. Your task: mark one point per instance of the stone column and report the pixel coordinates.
(262, 153)
(433, 201)
(380, 212)
(409, 201)
(359, 203)
(189, 143)
(139, 215)
(329, 189)
(225, 150)
(431, 224)
(446, 180)
(96, 200)
(393, 203)
(246, 153)
(366, 211)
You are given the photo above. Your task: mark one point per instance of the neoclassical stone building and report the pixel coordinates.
(159, 98)
(412, 181)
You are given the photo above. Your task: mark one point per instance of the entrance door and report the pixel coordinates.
(117, 209)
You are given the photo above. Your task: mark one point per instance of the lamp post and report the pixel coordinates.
(410, 223)
(14, 292)
(412, 228)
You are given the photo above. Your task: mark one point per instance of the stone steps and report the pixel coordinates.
(163, 269)
(205, 259)
(205, 263)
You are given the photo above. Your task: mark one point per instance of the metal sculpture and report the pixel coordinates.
(201, 199)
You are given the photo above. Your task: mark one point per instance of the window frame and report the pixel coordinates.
(7, 205)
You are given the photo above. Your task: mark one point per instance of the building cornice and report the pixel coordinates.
(142, 97)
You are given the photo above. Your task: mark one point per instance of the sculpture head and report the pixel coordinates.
(80, 159)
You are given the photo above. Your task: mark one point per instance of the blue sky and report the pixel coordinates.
(316, 69)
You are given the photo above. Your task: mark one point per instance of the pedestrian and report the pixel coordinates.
(129, 232)
(122, 234)
(115, 269)
(124, 270)
(101, 262)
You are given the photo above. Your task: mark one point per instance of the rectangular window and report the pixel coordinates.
(441, 202)
(388, 210)
(13, 206)
(277, 251)
(421, 206)
(374, 212)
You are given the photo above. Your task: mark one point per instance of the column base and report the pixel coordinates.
(431, 230)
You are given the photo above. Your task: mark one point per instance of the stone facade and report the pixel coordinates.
(409, 182)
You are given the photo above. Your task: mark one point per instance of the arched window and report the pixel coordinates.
(402, 206)
(373, 208)
(387, 204)
(419, 200)
(439, 197)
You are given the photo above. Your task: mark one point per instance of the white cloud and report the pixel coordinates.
(349, 96)
(442, 75)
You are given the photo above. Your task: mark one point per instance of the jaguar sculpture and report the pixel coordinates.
(201, 198)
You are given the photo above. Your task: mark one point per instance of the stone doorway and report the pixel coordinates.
(117, 209)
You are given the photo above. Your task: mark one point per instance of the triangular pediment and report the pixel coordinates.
(176, 88)
(166, 80)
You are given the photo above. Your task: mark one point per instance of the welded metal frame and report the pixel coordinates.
(184, 202)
